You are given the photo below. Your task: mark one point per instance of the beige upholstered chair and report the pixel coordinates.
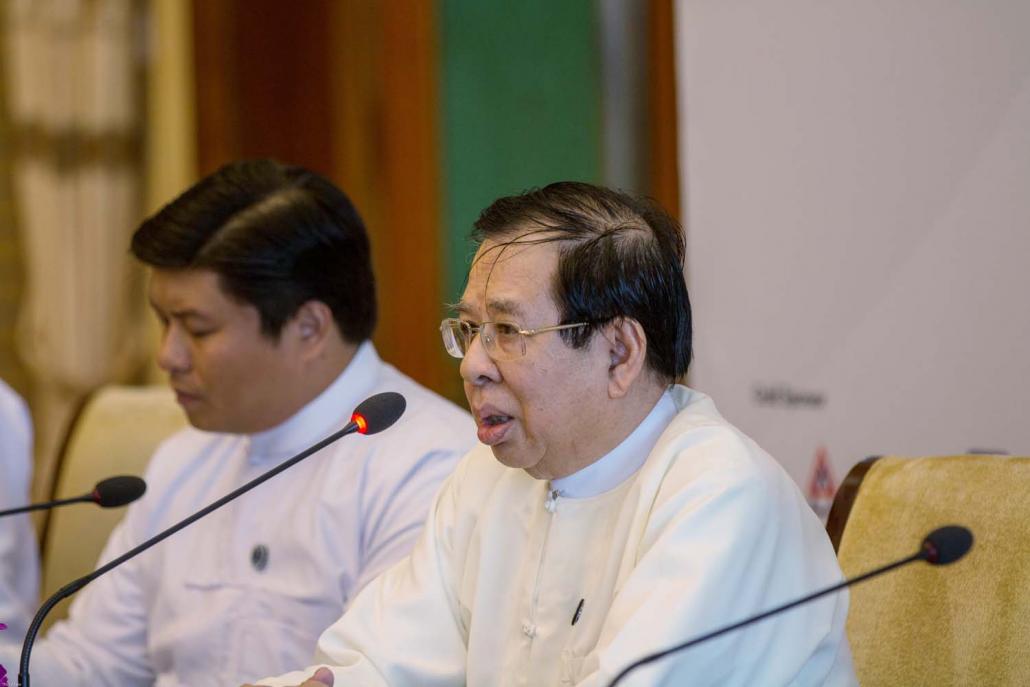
(967, 623)
(115, 433)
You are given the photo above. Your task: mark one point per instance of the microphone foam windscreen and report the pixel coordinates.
(118, 491)
(378, 412)
(947, 544)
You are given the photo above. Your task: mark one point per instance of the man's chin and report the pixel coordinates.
(510, 456)
(202, 421)
(199, 423)
(194, 409)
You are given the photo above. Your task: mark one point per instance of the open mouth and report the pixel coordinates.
(493, 428)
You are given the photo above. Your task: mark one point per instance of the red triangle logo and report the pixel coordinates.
(821, 485)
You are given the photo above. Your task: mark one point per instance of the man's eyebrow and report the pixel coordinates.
(190, 314)
(184, 314)
(504, 306)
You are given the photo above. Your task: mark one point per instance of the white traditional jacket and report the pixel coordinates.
(247, 590)
(512, 584)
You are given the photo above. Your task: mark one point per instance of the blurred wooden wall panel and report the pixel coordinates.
(263, 82)
(663, 151)
(356, 104)
(384, 86)
(214, 58)
(349, 89)
(412, 175)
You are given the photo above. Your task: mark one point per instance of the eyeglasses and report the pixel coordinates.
(501, 340)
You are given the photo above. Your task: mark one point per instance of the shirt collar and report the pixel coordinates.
(326, 413)
(613, 468)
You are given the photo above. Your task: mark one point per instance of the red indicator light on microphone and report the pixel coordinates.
(361, 422)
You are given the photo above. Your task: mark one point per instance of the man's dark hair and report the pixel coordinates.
(277, 236)
(619, 256)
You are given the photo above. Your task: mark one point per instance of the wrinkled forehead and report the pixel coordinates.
(511, 278)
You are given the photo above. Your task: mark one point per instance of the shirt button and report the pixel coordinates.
(259, 557)
(529, 630)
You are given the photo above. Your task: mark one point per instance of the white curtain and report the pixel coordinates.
(75, 102)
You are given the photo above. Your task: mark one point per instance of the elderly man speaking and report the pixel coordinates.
(608, 512)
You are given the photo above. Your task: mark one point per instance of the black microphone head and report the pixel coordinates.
(946, 544)
(378, 412)
(118, 491)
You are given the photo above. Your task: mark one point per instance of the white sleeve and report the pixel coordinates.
(19, 554)
(404, 627)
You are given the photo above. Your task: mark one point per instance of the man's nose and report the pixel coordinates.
(173, 354)
(477, 367)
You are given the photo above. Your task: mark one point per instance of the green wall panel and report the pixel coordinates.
(521, 107)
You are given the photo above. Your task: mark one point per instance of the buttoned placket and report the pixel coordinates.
(529, 628)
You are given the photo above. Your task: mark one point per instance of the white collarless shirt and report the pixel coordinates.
(247, 590)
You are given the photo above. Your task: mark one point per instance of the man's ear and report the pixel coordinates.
(312, 326)
(627, 350)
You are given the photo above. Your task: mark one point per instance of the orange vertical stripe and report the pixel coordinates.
(385, 105)
(663, 157)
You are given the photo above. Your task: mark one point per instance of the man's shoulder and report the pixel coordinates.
(700, 429)
(700, 447)
(427, 411)
(705, 468)
(179, 453)
(428, 440)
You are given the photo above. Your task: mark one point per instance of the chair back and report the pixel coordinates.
(967, 623)
(115, 433)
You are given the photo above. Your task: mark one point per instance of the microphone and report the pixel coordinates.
(378, 412)
(372, 415)
(108, 493)
(942, 546)
(118, 491)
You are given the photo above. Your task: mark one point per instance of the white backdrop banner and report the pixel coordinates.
(857, 201)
